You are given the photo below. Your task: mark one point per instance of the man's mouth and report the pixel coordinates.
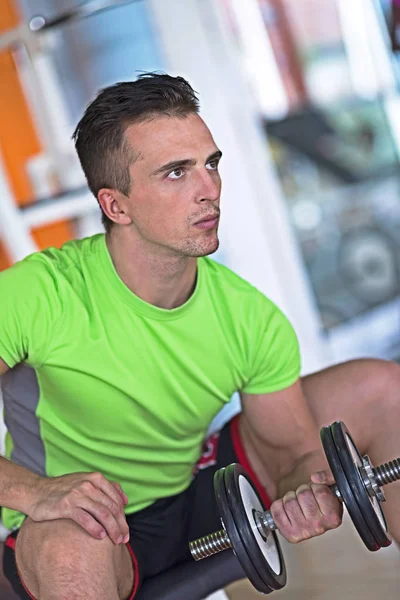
(208, 221)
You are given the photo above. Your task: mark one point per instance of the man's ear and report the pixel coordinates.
(112, 203)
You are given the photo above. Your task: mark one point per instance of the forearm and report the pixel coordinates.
(17, 486)
(281, 439)
(281, 469)
(300, 471)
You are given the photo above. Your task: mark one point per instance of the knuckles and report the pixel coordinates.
(96, 477)
(86, 487)
(103, 512)
(334, 520)
(322, 492)
(323, 509)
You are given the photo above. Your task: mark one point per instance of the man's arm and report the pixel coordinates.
(17, 482)
(3, 367)
(281, 438)
(282, 443)
(89, 499)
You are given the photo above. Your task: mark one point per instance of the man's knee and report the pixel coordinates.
(375, 383)
(61, 550)
(364, 393)
(362, 380)
(383, 399)
(386, 376)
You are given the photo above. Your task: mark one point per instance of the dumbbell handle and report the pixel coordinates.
(218, 541)
(382, 475)
(267, 520)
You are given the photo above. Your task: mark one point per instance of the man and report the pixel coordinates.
(136, 341)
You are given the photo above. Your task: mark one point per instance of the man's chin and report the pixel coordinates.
(208, 249)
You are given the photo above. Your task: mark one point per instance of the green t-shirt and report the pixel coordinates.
(121, 386)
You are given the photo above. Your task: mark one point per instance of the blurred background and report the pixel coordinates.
(302, 96)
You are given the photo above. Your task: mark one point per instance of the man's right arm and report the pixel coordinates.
(17, 482)
(31, 308)
(89, 499)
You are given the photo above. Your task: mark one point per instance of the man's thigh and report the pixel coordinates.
(362, 393)
(60, 550)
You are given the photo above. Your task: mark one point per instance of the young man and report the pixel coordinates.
(134, 342)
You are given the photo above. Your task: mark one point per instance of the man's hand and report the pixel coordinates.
(310, 511)
(89, 499)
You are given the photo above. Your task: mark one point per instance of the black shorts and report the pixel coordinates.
(160, 533)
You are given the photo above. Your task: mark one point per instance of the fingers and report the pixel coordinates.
(306, 513)
(89, 499)
(284, 513)
(103, 502)
(329, 505)
(108, 515)
(88, 523)
(112, 489)
(325, 477)
(120, 491)
(308, 503)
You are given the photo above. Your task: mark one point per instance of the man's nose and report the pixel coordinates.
(209, 186)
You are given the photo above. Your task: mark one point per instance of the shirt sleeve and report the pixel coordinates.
(274, 355)
(30, 311)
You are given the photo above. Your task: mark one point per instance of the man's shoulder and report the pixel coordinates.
(232, 290)
(54, 259)
(72, 253)
(221, 275)
(44, 270)
(238, 291)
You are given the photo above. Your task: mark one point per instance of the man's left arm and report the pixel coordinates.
(282, 443)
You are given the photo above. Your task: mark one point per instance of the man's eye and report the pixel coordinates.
(176, 174)
(212, 165)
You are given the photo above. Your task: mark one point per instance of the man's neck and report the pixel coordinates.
(163, 280)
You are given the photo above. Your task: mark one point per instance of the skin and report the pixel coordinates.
(154, 244)
(154, 249)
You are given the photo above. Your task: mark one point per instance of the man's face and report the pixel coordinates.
(176, 186)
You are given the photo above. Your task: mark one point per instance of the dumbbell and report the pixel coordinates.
(249, 529)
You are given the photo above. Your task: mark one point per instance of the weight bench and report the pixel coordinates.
(193, 580)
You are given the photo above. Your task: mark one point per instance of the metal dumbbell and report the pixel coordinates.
(249, 529)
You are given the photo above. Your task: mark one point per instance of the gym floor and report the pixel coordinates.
(335, 565)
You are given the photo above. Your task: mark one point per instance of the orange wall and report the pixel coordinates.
(18, 138)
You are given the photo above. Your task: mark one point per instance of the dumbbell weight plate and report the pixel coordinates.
(346, 490)
(231, 529)
(352, 461)
(263, 550)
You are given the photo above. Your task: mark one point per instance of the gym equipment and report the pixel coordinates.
(367, 265)
(249, 529)
(33, 43)
(192, 580)
(86, 9)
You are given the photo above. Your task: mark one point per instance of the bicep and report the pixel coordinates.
(280, 422)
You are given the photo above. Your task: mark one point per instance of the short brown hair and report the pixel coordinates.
(99, 137)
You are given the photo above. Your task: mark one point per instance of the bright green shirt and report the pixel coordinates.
(121, 386)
